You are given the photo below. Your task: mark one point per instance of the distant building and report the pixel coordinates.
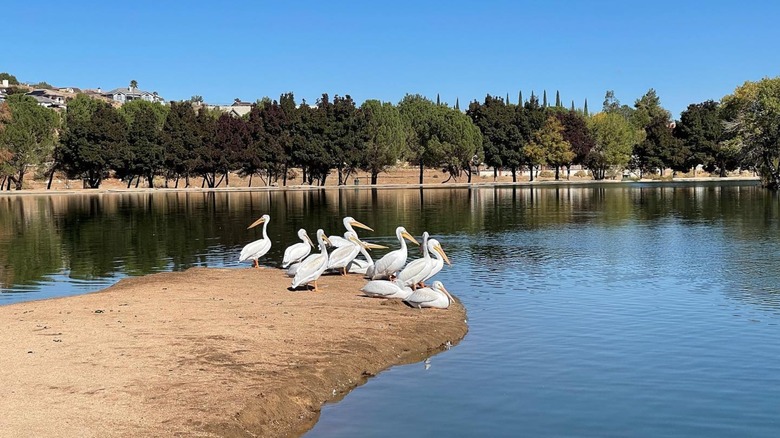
(129, 94)
(238, 108)
(57, 97)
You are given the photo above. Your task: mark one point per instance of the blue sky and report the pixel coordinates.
(687, 51)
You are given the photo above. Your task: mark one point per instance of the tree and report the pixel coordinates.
(385, 137)
(459, 140)
(42, 84)
(658, 148)
(5, 154)
(28, 135)
(145, 153)
(9, 77)
(418, 113)
(501, 136)
(179, 140)
(133, 84)
(549, 147)
(93, 142)
(576, 132)
(752, 114)
(557, 99)
(614, 138)
(196, 99)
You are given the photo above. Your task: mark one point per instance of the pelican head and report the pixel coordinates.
(350, 222)
(434, 245)
(305, 237)
(401, 232)
(352, 237)
(263, 218)
(437, 285)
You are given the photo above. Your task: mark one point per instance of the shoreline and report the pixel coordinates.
(437, 185)
(204, 352)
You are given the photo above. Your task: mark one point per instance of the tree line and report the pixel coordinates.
(278, 138)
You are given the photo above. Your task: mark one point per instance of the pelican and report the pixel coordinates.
(438, 262)
(386, 289)
(258, 248)
(349, 222)
(388, 265)
(435, 296)
(297, 251)
(357, 266)
(344, 255)
(314, 265)
(416, 270)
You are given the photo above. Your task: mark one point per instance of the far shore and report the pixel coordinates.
(203, 353)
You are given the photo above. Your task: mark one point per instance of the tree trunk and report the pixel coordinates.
(150, 179)
(137, 181)
(186, 181)
(495, 173)
(514, 174)
(51, 177)
(531, 172)
(374, 176)
(284, 177)
(422, 167)
(220, 180)
(129, 181)
(250, 179)
(21, 178)
(227, 179)
(568, 173)
(557, 172)
(341, 180)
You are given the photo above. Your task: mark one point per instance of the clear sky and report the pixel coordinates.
(688, 51)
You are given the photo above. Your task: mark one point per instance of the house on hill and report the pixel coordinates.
(128, 94)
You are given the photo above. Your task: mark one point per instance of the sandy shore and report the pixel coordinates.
(206, 352)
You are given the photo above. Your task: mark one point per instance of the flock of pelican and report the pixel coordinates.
(389, 277)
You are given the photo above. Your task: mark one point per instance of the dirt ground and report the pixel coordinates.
(206, 352)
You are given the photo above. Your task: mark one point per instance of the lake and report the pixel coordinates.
(594, 310)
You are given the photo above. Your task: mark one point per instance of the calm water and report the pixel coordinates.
(629, 310)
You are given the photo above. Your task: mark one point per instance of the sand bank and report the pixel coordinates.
(206, 352)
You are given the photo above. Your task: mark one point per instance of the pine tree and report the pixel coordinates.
(557, 99)
(457, 104)
(586, 108)
(544, 99)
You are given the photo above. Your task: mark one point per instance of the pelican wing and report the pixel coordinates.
(338, 242)
(415, 271)
(385, 289)
(310, 269)
(341, 256)
(389, 264)
(255, 250)
(295, 253)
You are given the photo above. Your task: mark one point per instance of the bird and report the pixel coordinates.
(386, 289)
(358, 266)
(388, 265)
(349, 222)
(344, 255)
(416, 270)
(314, 265)
(438, 262)
(435, 296)
(297, 251)
(258, 248)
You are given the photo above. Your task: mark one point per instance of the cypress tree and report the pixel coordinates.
(507, 98)
(557, 98)
(544, 99)
(586, 108)
(438, 102)
(520, 98)
(457, 104)
(572, 105)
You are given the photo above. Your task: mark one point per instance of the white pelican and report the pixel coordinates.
(344, 255)
(438, 262)
(314, 265)
(297, 251)
(435, 296)
(386, 289)
(388, 265)
(357, 266)
(349, 222)
(258, 248)
(416, 270)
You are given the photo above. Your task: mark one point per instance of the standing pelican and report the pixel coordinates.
(344, 255)
(435, 296)
(297, 251)
(310, 269)
(349, 222)
(357, 266)
(388, 265)
(386, 289)
(438, 262)
(258, 248)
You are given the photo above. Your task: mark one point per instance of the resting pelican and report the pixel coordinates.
(349, 222)
(344, 255)
(258, 248)
(314, 265)
(297, 251)
(435, 296)
(386, 289)
(388, 265)
(438, 262)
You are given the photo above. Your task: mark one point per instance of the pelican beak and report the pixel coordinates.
(326, 240)
(367, 245)
(443, 255)
(410, 238)
(309, 240)
(256, 223)
(360, 225)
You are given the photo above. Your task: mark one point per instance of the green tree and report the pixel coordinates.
(549, 147)
(180, 140)
(658, 149)
(501, 136)
(9, 77)
(614, 139)
(752, 114)
(385, 137)
(144, 158)
(93, 142)
(28, 135)
(133, 84)
(424, 147)
(460, 141)
(576, 132)
(41, 85)
(5, 154)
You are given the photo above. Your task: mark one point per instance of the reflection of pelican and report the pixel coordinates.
(435, 296)
(438, 262)
(349, 222)
(258, 248)
(344, 255)
(388, 265)
(386, 289)
(314, 265)
(297, 251)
